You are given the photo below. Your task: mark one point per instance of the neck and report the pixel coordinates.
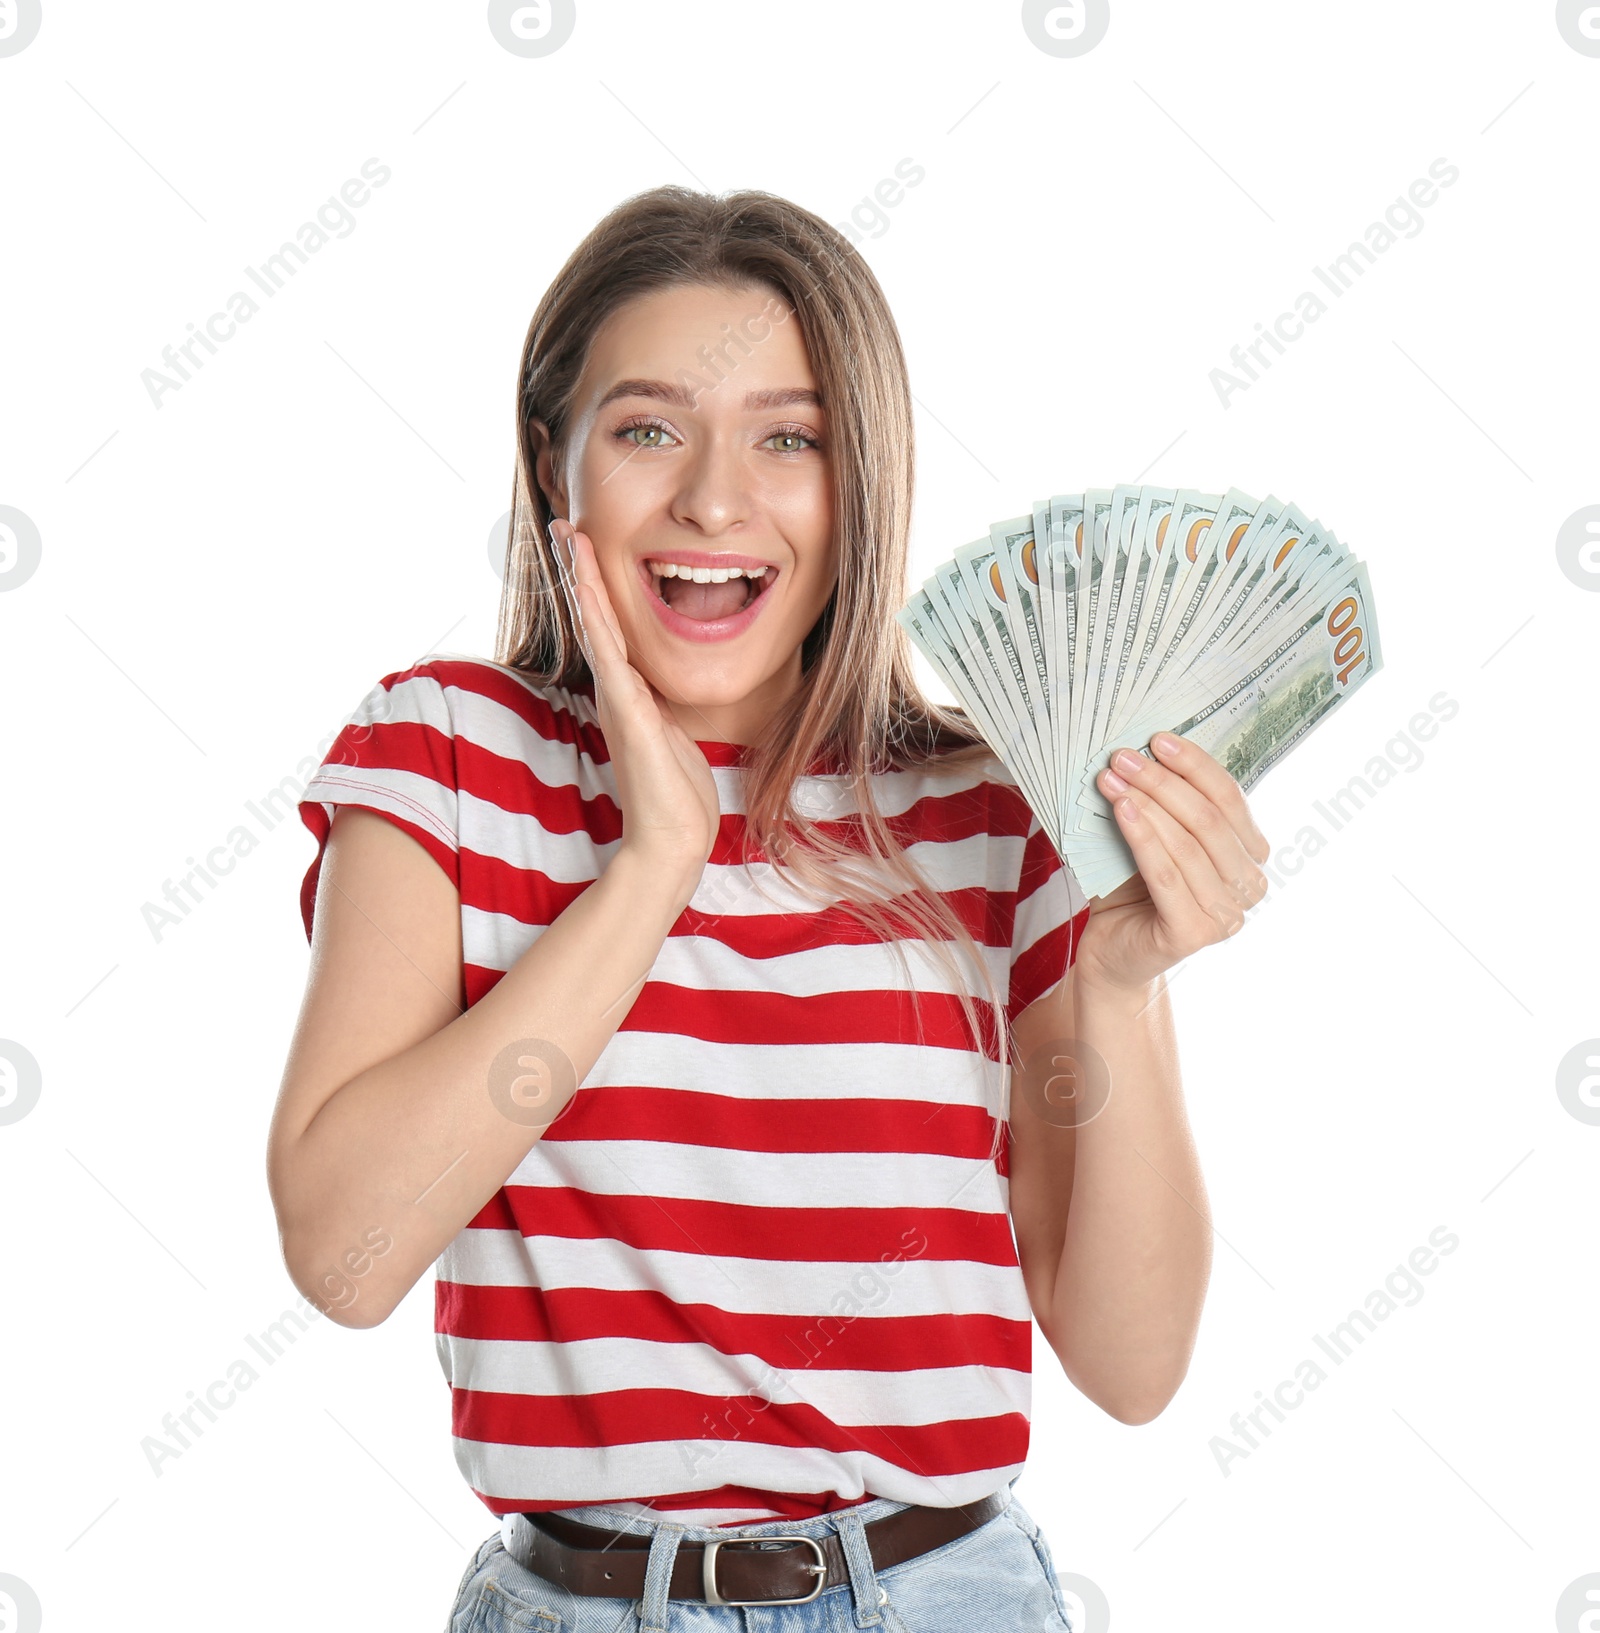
(739, 722)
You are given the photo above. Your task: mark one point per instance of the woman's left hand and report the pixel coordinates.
(1199, 852)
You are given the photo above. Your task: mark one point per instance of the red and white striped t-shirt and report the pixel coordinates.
(761, 1266)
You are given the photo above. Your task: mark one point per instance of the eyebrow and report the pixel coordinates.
(776, 397)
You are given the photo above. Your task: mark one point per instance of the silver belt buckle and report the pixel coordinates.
(708, 1570)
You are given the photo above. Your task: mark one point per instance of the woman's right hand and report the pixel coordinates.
(670, 810)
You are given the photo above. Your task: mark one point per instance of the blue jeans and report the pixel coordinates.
(999, 1578)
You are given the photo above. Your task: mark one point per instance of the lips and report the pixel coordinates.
(712, 629)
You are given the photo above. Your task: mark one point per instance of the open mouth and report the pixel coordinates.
(707, 603)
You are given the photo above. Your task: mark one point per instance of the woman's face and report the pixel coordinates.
(697, 439)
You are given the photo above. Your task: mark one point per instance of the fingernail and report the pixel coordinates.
(1165, 742)
(1129, 810)
(1113, 784)
(1126, 760)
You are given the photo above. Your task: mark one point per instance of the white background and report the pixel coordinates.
(223, 577)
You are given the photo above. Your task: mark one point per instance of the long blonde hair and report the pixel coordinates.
(858, 699)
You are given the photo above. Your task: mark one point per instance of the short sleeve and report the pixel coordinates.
(396, 755)
(1051, 911)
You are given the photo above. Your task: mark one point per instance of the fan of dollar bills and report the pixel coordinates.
(1110, 615)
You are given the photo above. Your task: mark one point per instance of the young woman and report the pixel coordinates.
(669, 974)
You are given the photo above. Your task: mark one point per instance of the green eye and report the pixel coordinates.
(792, 436)
(655, 430)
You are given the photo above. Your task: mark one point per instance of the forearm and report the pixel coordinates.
(1136, 1252)
(410, 1150)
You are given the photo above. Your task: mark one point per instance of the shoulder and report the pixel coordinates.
(967, 819)
(490, 706)
(1010, 813)
(466, 680)
(452, 749)
(453, 725)
(984, 791)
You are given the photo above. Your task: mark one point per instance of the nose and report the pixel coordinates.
(714, 493)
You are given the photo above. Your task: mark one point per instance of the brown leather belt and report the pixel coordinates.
(775, 1569)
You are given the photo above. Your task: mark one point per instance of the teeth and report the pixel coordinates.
(706, 575)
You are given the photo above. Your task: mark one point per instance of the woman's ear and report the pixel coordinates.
(550, 484)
